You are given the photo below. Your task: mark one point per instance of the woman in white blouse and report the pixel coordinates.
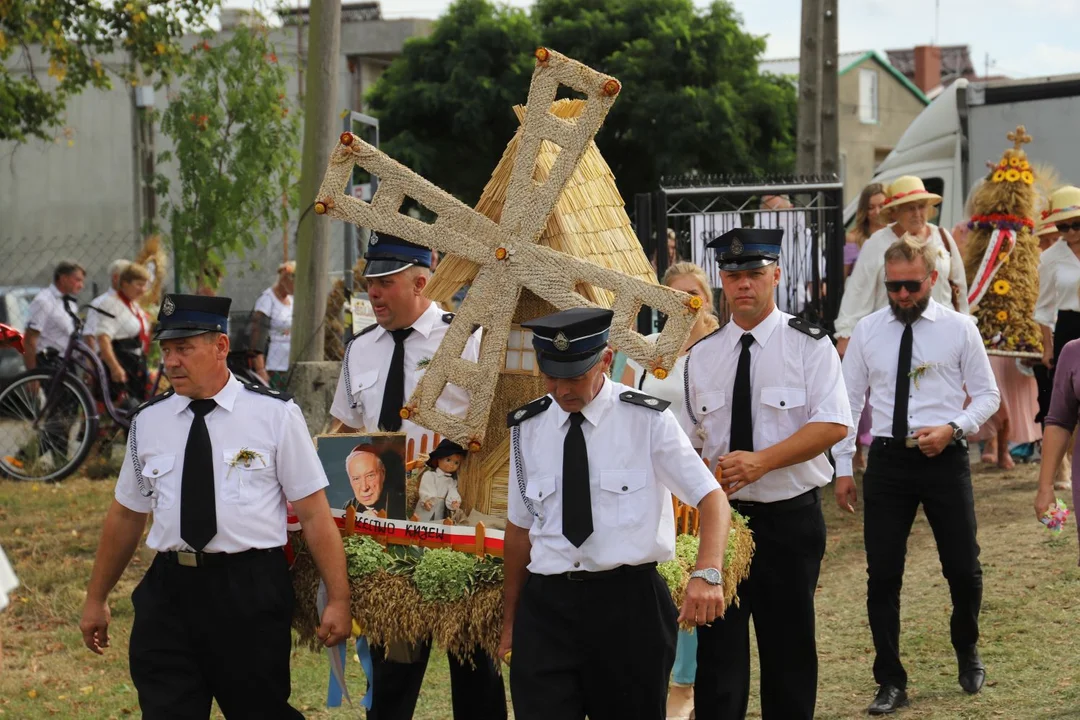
(689, 278)
(276, 308)
(1058, 307)
(124, 338)
(907, 208)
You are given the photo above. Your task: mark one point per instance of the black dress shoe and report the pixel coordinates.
(888, 700)
(972, 671)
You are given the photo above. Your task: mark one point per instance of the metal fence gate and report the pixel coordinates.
(808, 210)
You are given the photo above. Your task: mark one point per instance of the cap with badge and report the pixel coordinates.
(183, 316)
(747, 248)
(389, 254)
(570, 342)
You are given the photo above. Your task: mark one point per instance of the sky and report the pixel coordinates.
(1023, 38)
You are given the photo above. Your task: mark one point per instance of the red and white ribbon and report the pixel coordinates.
(1000, 241)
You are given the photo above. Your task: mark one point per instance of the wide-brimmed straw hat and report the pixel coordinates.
(908, 189)
(1064, 204)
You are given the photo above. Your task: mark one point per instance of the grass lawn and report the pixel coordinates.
(1030, 610)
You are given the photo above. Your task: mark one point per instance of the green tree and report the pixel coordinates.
(445, 104)
(51, 50)
(235, 145)
(692, 99)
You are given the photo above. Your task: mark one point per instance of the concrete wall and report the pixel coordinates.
(79, 199)
(861, 142)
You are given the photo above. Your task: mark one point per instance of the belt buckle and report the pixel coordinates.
(570, 576)
(187, 559)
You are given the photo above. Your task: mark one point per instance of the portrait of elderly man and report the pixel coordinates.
(375, 487)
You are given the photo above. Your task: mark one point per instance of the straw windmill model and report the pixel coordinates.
(1002, 255)
(514, 276)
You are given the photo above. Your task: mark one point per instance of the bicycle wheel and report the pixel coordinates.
(45, 449)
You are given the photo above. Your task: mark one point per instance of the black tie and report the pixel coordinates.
(577, 503)
(742, 425)
(393, 398)
(198, 510)
(903, 387)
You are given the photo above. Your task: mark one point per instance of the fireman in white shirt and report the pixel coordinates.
(765, 398)
(589, 621)
(49, 326)
(920, 360)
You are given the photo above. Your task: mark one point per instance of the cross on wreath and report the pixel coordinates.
(507, 253)
(1019, 137)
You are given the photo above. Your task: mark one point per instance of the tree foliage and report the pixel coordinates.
(692, 99)
(235, 146)
(51, 50)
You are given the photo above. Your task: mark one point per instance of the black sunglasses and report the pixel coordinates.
(912, 286)
(1063, 227)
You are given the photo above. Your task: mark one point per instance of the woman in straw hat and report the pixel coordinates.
(906, 209)
(1058, 309)
(1047, 233)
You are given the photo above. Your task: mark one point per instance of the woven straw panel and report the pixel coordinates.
(506, 252)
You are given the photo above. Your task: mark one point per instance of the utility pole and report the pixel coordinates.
(313, 233)
(808, 135)
(830, 91)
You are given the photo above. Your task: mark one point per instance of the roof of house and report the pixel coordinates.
(589, 220)
(846, 61)
(955, 62)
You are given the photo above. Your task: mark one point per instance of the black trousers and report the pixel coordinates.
(476, 689)
(600, 648)
(897, 480)
(214, 632)
(779, 594)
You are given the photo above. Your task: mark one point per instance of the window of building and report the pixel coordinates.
(520, 356)
(868, 96)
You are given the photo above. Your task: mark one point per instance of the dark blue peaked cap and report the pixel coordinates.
(187, 315)
(747, 248)
(570, 342)
(388, 254)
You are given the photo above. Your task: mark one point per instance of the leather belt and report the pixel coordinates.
(203, 559)
(910, 443)
(583, 575)
(758, 508)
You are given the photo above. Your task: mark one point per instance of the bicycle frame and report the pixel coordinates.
(76, 354)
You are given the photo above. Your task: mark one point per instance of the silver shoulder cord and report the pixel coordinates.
(133, 447)
(515, 444)
(686, 389)
(348, 378)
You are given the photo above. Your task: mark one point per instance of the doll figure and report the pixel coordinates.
(439, 486)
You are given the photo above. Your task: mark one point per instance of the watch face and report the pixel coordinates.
(712, 576)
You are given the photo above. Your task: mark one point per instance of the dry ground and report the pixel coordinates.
(1030, 611)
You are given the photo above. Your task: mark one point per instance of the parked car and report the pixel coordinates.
(14, 311)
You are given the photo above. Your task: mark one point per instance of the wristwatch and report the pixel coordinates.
(957, 431)
(709, 575)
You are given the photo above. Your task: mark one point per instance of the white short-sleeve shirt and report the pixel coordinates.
(125, 321)
(795, 379)
(250, 495)
(48, 317)
(358, 403)
(1059, 279)
(280, 315)
(92, 316)
(633, 518)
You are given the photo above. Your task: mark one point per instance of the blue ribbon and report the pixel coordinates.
(363, 651)
(334, 690)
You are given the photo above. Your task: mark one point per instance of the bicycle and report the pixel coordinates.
(50, 416)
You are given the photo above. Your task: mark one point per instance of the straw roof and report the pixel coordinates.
(589, 220)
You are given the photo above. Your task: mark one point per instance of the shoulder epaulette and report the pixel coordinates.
(805, 326)
(269, 392)
(448, 318)
(704, 338)
(154, 400)
(366, 330)
(523, 413)
(646, 401)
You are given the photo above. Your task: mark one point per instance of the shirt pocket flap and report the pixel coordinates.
(158, 465)
(364, 380)
(710, 401)
(783, 398)
(248, 459)
(541, 488)
(622, 481)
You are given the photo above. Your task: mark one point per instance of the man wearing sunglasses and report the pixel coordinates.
(917, 357)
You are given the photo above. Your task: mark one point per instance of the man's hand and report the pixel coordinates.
(1043, 500)
(703, 602)
(932, 441)
(847, 497)
(739, 469)
(506, 642)
(95, 625)
(336, 623)
(841, 346)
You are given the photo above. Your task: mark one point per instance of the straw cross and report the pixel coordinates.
(1019, 136)
(507, 252)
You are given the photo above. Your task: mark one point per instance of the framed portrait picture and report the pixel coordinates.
(366, 472)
